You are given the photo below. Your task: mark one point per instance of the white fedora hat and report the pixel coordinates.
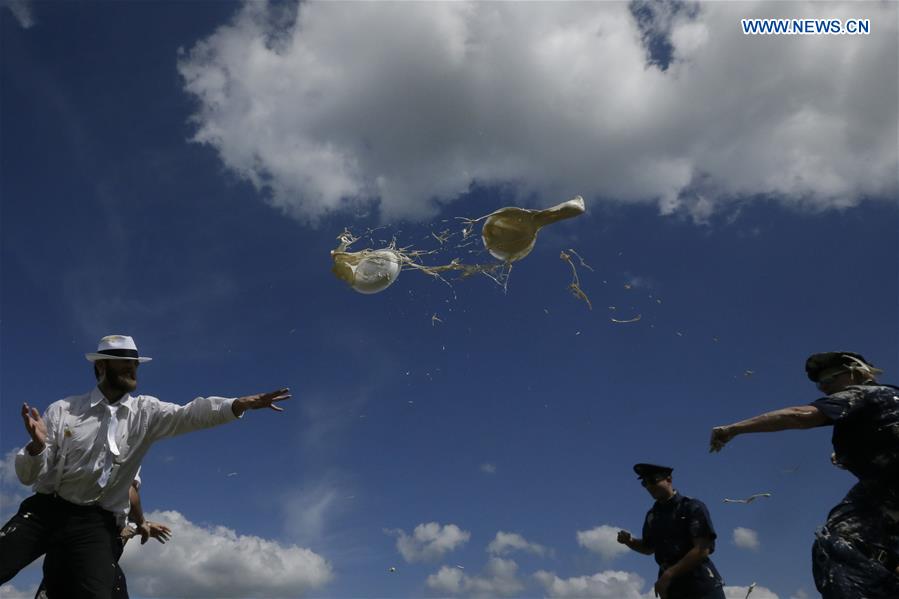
(116, 347)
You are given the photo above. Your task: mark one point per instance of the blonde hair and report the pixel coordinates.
(867, 371)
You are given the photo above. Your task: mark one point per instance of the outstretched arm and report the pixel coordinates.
(796, 417)
(169, 420)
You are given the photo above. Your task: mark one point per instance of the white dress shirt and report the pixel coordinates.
(85, 465)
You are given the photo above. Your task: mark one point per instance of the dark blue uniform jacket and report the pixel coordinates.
(669, 530)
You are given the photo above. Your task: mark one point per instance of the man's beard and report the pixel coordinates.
(121, 382)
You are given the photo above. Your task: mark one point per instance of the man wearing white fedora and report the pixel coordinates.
(83, 455)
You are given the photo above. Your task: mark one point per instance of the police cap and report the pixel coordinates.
(652, 470)
(821, 362)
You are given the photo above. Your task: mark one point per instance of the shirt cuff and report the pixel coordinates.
(27, 465)
(23, 453)
(228, 409)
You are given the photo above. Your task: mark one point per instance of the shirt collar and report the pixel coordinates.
(97, 397)
(670, 501)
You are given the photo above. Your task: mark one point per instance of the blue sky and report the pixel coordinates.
(179, 172)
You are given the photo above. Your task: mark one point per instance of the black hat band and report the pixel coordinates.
(119, 353)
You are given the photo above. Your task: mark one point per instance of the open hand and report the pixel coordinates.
(148, 530)
(154, 530)
(36, 428)
(261, 400)
(721, 435)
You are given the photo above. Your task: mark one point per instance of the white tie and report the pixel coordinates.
(112, 427)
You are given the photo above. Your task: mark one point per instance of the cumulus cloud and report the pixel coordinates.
(217, 562)
(602, 540)
(488, 468)
(757, 593)
(22, 10)
(500, 579)
(611, 584)
(746, 538)
(8, 591)
(506, 542)
(429, 541)
(615, 584)
(327, 105)
(8, 468)
(12, 492)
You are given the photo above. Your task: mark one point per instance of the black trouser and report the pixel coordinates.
(80, 543)
(119, 588)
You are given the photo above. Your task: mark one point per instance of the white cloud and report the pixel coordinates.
(217, 562)
(410, 104)
(746, 538)
(429, 541)
(500, 578)
(8, 468)
(8, 591)
(615, 584)
(610, 584)
(22, 10)
(757, 593)
(447, 580)
(506, 542)
(12, 492)
(800, 594)
(488, 468)
(602, 540)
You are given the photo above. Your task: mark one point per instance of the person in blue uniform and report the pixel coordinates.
(678, 531)
(856, 553)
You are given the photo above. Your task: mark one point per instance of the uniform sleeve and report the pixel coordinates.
(699, 520)
(170, 420)
(840, 406)
(648, 537)
(31, 467)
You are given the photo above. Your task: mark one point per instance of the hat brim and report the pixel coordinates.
(644, 470)
(96, 357)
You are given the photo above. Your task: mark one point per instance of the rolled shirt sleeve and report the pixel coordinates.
(170, 420)
(841, 405)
